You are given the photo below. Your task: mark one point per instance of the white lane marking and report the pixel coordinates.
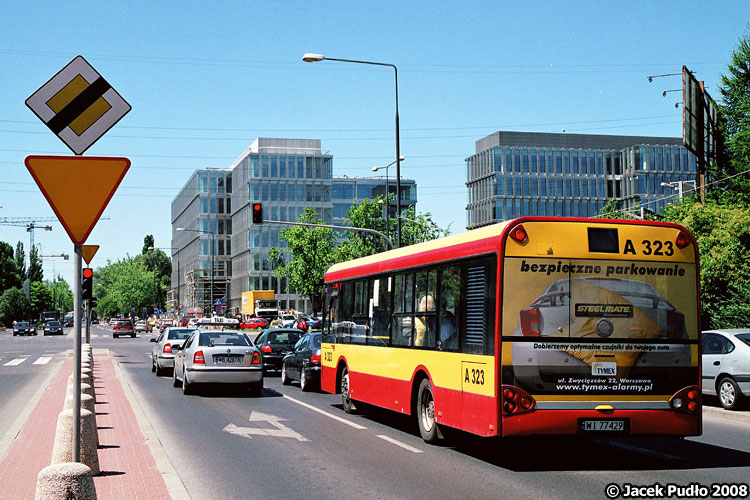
(279, 430)
(399, 443)
(329, 415)
(15, 362)
(43, 360)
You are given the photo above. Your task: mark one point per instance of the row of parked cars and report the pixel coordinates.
(211, 353)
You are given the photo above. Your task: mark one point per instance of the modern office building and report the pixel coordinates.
(201, 240)
(574, 175)
(215, 206)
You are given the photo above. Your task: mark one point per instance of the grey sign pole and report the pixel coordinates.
(77, 267)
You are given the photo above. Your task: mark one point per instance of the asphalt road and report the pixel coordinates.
(287, 444)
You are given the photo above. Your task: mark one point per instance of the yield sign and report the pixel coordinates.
(88, 252)
(78, 188)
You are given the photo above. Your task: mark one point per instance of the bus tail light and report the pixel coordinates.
(519, 234)
(167, 349)
(687, 400)
(198, 358)
(256, 358)
(531, 322)
(675, 324)
(515, 400)
(315, 359)
(682, 240)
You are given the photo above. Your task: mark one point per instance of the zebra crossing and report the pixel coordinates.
(21, 359)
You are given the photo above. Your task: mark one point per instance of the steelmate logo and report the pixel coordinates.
(603, 369)
(604, 310)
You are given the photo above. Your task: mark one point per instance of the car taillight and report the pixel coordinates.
(315, 359)
(266, 348)
(675, 324)
(686, 400)
(516, 400)
(167, 349)
(198, 358)
(531, 322)
(256, 358)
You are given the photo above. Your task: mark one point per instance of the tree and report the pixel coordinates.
(417, 228)
(723, 235)
(311, 251)
(365, 214)
(124, 285)
(21, 261)
(160, 264)
(61, 293)
(41, 299)
(13, 306)
(735, 125)
(9, 272)
(148, 243)
(36, 272)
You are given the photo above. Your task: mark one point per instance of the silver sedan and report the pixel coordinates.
(726, 365)
(218, 357)
(166, 345)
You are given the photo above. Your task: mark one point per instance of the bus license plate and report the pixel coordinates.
(231, 360)
(603, 425)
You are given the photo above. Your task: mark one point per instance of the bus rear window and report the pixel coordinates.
(603, 240)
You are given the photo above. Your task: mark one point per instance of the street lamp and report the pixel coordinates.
(310, 58)
(387, 194)
(213, 243)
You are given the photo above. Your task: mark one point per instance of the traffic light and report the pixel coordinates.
(87, 284)
(257, 213)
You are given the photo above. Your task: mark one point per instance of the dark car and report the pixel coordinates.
(303, 363)
(275, 343)
(23, 328)
(53, 327)
(123, 327)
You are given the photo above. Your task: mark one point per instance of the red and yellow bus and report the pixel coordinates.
(532, 326)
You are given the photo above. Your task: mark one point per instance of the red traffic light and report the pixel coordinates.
(257, 213)
(88, 272)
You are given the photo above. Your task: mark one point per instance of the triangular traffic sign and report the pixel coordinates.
(78, 188)
(88, 252)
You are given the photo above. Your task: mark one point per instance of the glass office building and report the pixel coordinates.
(347, 190)
(514, 174)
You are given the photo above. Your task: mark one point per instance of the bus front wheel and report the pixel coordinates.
(346, 398)
(428, 426)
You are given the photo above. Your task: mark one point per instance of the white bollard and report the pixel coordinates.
(65, 480)
(62, 450)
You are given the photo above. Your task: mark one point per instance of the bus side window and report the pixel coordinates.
(450, 305)
(381, 311)
(402, 324)
(425, 321)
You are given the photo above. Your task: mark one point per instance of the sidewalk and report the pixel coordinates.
(128, 468)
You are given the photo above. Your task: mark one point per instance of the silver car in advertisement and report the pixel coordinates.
(726, 365)
(166, 345)
(218, 357)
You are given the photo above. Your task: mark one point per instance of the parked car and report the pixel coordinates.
(53, 327)
(252, 323)
(123, 327)
(24, 328)
(275, 343)
(726, 365)
(68, 321)
(303, 363)
(142, 326)
(167, 344)
(218, 356)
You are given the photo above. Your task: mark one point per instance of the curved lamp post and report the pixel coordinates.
(309, 57)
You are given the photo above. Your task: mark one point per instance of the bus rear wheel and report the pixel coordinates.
(428, 426)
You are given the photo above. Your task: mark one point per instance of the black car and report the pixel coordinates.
(23, 328)
(275, 343)
(303, 363)
(53, 327)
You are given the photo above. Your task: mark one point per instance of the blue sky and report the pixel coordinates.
(206, 78)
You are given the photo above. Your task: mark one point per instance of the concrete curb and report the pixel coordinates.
(65, 480)
(175, 486)
(738, 416)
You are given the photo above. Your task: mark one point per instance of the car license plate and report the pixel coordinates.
(602, 425)
(229, 360)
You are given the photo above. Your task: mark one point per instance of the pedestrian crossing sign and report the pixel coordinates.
(78, 105)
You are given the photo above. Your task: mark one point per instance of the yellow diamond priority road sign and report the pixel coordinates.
(78, 105)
